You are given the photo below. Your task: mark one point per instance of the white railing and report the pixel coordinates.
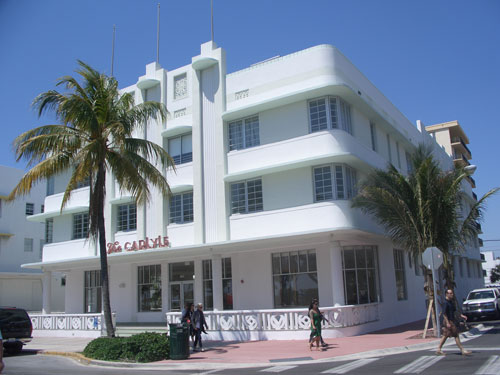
(69, 322)
(284, 319)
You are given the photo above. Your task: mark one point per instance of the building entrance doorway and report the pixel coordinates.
(181, 293)
(181, 280)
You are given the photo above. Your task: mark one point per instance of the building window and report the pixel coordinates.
(80, 226)
(373, 132)
(334, 182)
(180, 86)
(42, 208)
(409, 164)
(398, 157)
(399, 269)
(246, 197)
(42, 243)
(389, 151)
(50, 185)
(181, 149)
(93, 291)
(418, 265)
(360, 271)
(28, 245)
(30, 208)
(49, 230)
(295, 279)
(84, 183)
(181, 208)
(329, 113)
(149, 288)
(127, 217)
(244, 133)
(208, 293)
(227, 284)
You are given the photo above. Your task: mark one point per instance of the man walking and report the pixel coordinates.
(199, 325)
(450, 328)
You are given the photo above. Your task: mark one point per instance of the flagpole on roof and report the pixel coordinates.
(212, 18)
(113, 50)
(158, 37)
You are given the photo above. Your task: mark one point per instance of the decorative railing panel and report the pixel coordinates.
(69, 322)
(284, 319)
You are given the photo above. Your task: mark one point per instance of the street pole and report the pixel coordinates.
(436, 305)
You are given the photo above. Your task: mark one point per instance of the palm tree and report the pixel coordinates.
(422, 209)
(95, 137)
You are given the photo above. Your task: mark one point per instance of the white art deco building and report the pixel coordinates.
(260, 220)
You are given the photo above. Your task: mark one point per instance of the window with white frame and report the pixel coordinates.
(181, 149)
(126, 217)
(330, 112)
(360, 271)
(334, 181)
(28, 245)
(92, 291)
(30, 209)
(399, 270)
(180, 86)
(389, 151)
(373, 133)
(409, 164)
(149, 288)
(246, 197)
(295, 278)
(398, 157)
(50, 185)
(181, 208)
(42, 208)
(49, 230)
(84, 183)
(208, 292)
(244, 133)
(80, 225)
(227, 284)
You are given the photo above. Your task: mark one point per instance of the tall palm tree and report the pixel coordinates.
(95, 137)
(422, 209)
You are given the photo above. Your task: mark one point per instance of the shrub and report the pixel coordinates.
(144, 347)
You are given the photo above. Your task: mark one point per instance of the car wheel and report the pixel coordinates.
(14, 349)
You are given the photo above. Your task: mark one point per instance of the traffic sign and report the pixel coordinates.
(432, 258)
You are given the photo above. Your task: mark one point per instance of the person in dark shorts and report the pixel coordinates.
(450, 328)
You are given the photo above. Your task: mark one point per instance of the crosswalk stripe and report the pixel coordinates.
(349, 366)
(207, 372)
(492, 367)
(277, 368)
(418, 365)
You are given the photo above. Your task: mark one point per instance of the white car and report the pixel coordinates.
(483, 302)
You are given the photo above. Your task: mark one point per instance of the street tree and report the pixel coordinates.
(95, 136)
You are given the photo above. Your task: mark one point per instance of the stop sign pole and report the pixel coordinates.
(432, 259)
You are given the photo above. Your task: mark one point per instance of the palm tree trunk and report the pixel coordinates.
(106, 304)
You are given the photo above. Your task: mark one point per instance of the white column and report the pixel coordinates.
(217, 282)
(336, 272)
(198, 281)
(46, 292)
(165, 288)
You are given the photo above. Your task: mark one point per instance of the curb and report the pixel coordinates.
(225, 366)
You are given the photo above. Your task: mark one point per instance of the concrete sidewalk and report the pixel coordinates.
(261, 353)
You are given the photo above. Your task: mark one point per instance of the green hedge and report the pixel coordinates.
(144, 347)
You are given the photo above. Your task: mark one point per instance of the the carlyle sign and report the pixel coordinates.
(145, 244)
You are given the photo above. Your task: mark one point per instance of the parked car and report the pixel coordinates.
(16, 328)
(483, 302)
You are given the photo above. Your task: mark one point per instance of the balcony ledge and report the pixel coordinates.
(40, 218)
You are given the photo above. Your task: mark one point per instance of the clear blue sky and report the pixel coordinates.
(435, 60)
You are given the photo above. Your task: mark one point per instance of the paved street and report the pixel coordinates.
(485, 359)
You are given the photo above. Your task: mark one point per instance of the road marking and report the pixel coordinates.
(349, 366)
(277, 368)
(492, 367)
(418, 365)
(207, 372)
(474, 349)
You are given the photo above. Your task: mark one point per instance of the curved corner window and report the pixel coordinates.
(330, 112)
